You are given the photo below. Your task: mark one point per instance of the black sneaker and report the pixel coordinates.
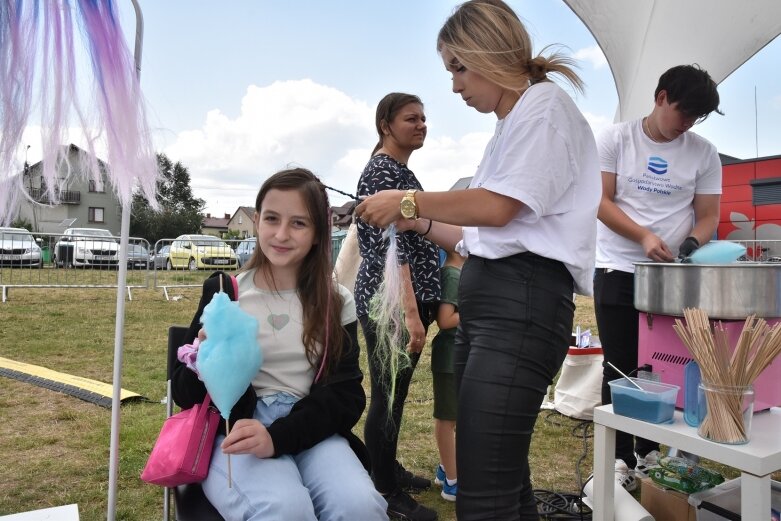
(409, 482)
(402, 506)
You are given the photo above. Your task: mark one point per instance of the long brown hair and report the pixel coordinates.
(387, 109)
(320, 302)
(486, 36)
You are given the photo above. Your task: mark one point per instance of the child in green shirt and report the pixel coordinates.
(444, 379)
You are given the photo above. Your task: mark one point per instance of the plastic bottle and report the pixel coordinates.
(691, 381)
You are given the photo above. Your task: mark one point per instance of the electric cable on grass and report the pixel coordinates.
(553, 505)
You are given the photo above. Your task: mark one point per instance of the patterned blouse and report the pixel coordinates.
(385, 173)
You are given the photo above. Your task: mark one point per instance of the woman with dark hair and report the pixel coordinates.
(294, 455)
(401, 126)
(528, 225)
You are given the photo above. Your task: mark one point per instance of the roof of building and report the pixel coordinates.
(216, 222)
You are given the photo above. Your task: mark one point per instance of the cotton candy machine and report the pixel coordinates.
(727, 292)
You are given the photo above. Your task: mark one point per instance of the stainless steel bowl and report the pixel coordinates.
(727, 291)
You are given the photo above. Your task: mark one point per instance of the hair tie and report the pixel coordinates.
(538, 69)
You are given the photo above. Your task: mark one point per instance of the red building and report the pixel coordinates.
(751, 202)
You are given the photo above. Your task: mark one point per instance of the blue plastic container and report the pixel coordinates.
(655, 403)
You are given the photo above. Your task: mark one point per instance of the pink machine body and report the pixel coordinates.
(660, 347)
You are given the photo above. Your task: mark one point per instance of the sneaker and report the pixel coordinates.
(449, 491)
(439, 475)
(409, 482)
(402, 506)
(624, 476)
(644, 464)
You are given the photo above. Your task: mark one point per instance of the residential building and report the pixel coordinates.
(243, 221)
(342, 216)
(83, 201)
(217, 226)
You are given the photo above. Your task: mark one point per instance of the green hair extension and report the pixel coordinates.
(386, 310)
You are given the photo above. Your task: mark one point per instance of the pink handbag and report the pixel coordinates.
(183, 449)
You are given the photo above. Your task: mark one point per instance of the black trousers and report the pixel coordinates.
(516, 321)
(617, 320)
(381, 430)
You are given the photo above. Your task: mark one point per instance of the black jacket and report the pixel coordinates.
(334, 404)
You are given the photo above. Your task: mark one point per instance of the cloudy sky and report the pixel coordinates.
(239, 89)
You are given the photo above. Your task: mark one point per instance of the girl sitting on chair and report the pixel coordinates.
(294, 455)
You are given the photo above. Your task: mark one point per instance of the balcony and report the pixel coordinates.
(64, 196)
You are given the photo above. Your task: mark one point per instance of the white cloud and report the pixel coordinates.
(286, 123)
(444, 160)
(597, 122)
(592, 55)
(305, 124)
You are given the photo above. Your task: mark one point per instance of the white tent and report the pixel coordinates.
(643, 38)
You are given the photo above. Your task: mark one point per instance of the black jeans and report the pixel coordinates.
(617, 320)
(380, 433)
(516, 321)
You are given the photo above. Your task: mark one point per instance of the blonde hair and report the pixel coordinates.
(486, 36)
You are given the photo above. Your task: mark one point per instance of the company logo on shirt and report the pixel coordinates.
(657, 165)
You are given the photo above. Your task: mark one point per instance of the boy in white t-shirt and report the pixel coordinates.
(661, 188)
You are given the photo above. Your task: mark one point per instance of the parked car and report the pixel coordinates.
(245, 249)
(200, 252)
(137, 257)
(18, 248)
(86, 247)
(159, 260)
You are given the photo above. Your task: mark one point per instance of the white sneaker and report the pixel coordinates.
(624, 476)
(644, 464)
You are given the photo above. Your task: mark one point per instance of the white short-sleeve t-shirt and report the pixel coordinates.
(544, 155)
(655, 187)
(285, 366)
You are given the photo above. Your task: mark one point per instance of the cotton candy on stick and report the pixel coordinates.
(230, 357)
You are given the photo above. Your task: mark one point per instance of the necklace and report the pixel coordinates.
(649, 133)
(279, 317)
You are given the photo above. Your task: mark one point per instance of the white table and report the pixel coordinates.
(756, 460)
(63, 513)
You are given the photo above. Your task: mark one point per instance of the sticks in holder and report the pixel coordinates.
(728, 378)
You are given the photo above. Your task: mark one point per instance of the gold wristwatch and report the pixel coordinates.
(409, 210)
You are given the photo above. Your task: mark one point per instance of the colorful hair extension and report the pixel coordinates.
(112, 114)
(386, 310)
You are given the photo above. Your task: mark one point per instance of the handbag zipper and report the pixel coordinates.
(201, 443)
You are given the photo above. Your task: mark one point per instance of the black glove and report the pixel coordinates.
(687, 247)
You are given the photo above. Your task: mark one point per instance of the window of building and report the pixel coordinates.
(96, 187)
(241, 220)
(95, 215)
(766, 191)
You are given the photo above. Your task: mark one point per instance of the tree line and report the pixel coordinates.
(180, 211)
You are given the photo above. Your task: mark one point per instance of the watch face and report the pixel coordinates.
(407, 209)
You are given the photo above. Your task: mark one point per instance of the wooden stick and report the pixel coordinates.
(228, 431)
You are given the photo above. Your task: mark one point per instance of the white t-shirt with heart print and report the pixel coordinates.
(285, 367)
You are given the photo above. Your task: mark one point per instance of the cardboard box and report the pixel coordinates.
(665, 504)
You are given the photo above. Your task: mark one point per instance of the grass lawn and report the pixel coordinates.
(54, 449)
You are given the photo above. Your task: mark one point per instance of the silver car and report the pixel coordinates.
(18, 248)
(137, 257)
(245, 250)
(159, 260)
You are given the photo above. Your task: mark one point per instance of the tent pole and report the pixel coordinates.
(120, 313)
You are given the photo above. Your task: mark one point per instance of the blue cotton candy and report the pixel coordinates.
(718, 252)
(230, 357)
